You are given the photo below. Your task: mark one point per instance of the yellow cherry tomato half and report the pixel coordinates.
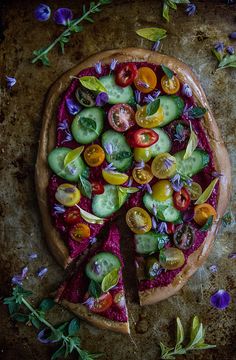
(163, 166)
(162, 190)
(114, 177)
(146, 80)
(148, 122)
(203, 212)
(171, 258)
(138, 220)
(142, 154)
(170, 86)
(67, 195)
(194, 190)
(142, 175)
(94, 155)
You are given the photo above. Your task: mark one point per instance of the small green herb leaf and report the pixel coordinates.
(110, 280)
(92, 83)
(121, 155)
(208, 224)
(73, 327)
(227, 219)
(94, 289)
(171, 4)
(180, 332)
(192, 144)
(90, 218)
(169, 73)
(165, 11)
(73, 155)
(152, 34)
(128, 190)
(196, 112)
(227, 61)
(152, 107)
(207, 192)
(85, 187)
(46, 304)
(88, 123)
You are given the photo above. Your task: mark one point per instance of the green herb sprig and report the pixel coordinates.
(224, 60)
(72, 27)
(171, 4)
(196, 342)
(66, 334)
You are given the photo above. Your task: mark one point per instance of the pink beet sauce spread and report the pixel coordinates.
(77, 285)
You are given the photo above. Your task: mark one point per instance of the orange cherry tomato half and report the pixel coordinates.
(94, 155)
(170, 86)
(142, 138)
(203, 212)
(121, 117)
(181, 199)
(102, 303)
(142, 175)
(79, 232)
(72, 216)
(138, 220)
(125, 74)
(145, 80)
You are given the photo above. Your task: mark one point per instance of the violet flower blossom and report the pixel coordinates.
(213, 268)
(58, 209)
(137, 95)
(232, 35)
(113, 64)
(98, 67)
(62, 16)
(72, 106)
(230, 50)
(42, 12)
(219, 46)
(220, 299)
(18, 278)
(33, 256)
(187, 91)
(42, 337)
(232, 255)
(176, 183)
(168, 163)
(149, 98)
(162, 227)
(42, 272)
(154, 223)
(156, 45)
(92, 240)
(11, 81)
(191, 9)
(101, 99)
(108, 148)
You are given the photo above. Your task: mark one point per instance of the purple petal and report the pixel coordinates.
(143, 84)
(168, 163)
(230, 50)
(17, 280)
(130, 182)
(156, 45)
(213, 268)
(149, 189)
(154, 223)
(33, 256)
(149, 98)
(113, 64)
(42, 272)
(63, 125)
(219, 46)
(24, 272)
(72, 106)
(140, 165)
(98, 67)
(187, 91)
(62, 16)
(58, 209)
(176, 183)
(220, 299)
(42, 12)
(92, 240)
(11, 81)
(137, 95)
(42, 337)
(89, 302)
(108, 148)
(154, 209)
(232, 255)
(232, 35)
(191, 9)
(188, 215)
(162, 227)
(101, 99)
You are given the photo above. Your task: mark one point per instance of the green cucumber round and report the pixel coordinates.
(72, 171)
(150, 242)
(165, 209)
(173, 107)
(162, 145)
(100, 265)
(194, 164)
(107, 203)
(117, 94)
(87, 125)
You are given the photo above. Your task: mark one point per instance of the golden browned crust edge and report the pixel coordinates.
(47, 140)
(83, 312)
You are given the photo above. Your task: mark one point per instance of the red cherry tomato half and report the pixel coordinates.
(97, 188)
(126, 74)
(142, 138)
(181, 199)
(72, 216)
(121, 117)
(102, 303)
(170, 228)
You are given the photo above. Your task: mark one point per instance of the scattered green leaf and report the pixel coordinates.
(227, 219)
(192, 144)
(152, 107)
(73, 327)
(152, 34)
(196, 112)
(92, 83)
(90, 218)
(88, 123)
(110, 280)
(169, 73)
(207, 192)
(94, 289)
(227, 61)
(73, 154)
(85, 186)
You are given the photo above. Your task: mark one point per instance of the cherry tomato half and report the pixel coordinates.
(181, 199)
(94, 155)
(142, 175)
(146, 121)
(97, 188)
(121, 117)
(72, 216)
(79, 232)
(138, 220)
(126, 74)
(102, 303)
(203, 212)
(142, 138)
(67, 195)
(184, 237)
(142, 154)
(170, 86)
(163, 165)
(119, 299)
(145, 80)
(171, 258)
(170, 228)
(162, 190)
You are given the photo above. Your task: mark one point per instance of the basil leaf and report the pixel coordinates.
(85, 187)
(121, 155)
(227, 61)
(196, 112)
(192, 144)
(207, 192)
(94, 289)
(152, 107)
(169, 73)
(73, 155)
(46, 304)
(180, 332)
(73, 327)
(152, 34)
(90, 218)
(208, 224)
(128, 190)
(110, 280)
(92, 83)
(88, 123)
(165, 11)
(122, 196)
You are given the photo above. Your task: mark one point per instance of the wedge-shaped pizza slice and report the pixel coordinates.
(95, 292)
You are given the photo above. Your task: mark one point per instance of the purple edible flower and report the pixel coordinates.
(68, 137)
(143, 84)
(149, 98)
(216, 174)
(137, 95)
(72, 170)
(148, 188)
(232, 255)
(154, 223)
(162, 227)
(140, 165)
(230, 50)
(113, 64)
(213, 268)
(58, 209)
(62, 16)
(156, 45)
(232, 35)
(92, 240)
(18, 278)
(154, 209)
(42, 272)
(130, 182)
(63, 125)
(11, 81)
(219, 46)
(220, 299)
(191, 9)
(42, 12)
(168, 163)
(108, 148)
(89, 302)
(189, 181)
(187, 91)
(176, 183)
(42, 337)
(110, 167)
(98, 67)
(72, 106)
(101, 99)
(33, 256)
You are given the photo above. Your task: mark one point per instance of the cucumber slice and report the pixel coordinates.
(165, 209)
(100, 265)
(117, 94)
(87, 134)
(119, 148)
(70, 172)
(162, 145)
(150, 242)
(107, 203)
(195, 163)
(173, 107)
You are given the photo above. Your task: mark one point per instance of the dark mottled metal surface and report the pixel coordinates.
(190, 39)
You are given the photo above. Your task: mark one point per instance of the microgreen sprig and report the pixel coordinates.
(197, 340)
(171, 4)
(73, 26)
(66, 334)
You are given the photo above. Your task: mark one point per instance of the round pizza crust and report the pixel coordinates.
(47, 143)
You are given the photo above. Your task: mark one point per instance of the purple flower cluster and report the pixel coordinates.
(61, 16)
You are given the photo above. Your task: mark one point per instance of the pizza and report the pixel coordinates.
(128, 134)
